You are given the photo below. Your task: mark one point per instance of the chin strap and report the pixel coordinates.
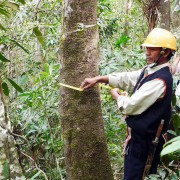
(160, 55)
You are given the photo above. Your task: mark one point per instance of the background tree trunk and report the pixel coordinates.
(9, 164)
(176, 16)
(165, 14)
(85, 148)
(150, 10)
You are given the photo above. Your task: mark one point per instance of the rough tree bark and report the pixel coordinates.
(9, 164)
(165, 14)
(85, 148)
(150, 10)
(176, 16)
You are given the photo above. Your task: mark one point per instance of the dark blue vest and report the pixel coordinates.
(147, 123)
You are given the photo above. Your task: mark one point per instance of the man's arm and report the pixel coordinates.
(122, 80)
(90, 82)
(142, 99)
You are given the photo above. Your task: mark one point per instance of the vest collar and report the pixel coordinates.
(150, 69)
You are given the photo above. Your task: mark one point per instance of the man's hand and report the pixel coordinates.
(88, 82)
(115, 93)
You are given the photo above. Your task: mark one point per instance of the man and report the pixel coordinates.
(149, 103)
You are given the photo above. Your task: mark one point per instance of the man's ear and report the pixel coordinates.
(166, 52)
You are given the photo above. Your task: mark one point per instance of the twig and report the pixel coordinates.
(35, 165)
(17, 135)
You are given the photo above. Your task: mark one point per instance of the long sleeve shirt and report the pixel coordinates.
(144, 97)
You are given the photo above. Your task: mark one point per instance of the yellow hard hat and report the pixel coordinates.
(159, 37)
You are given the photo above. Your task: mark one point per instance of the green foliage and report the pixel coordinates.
(33, 68)
(115, 129)
(172, 146)
(6, 170)
(117, 60)
(29, 41)
(17, 87)
(38, 119)
(5, 88)
(19, 45)
(171, 151)
(2, 58)
(176, 123)
(164, 174)
(39, 35)
(176, 5)
(22, 1)
(119, 18)
(121, 41)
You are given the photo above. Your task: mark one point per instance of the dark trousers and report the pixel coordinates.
(136, 156)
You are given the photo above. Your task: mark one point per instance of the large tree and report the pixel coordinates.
(9, 164)
(165, 14)
(85, 148)
(176, 15)
(150, 9)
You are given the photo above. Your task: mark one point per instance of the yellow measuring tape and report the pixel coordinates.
(79, 89)
(71, 87)
(100, 85)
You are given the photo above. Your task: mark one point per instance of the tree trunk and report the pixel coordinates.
(9, 164)
(127, 7)
(85, 148)
(150, 10)
(176, 16)
(165, 14)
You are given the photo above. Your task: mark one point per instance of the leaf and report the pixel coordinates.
(23, 80)
(171, 148)
(176, 124)
(4, 12)
(172, 140)
(2, 58)
(12, 5)
(172, 132)
(5, 89)
(37, 174)
(6, 169)
(17, 87)
(174, 100)
(162, 173)
(26, 94)
(177, 8)
(2, 27)
(174, 177)
(122, 40)
(22, 1)
(46, 68)
(19, 45)
(38, 34)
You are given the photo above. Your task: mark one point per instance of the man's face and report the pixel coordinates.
(152, 54)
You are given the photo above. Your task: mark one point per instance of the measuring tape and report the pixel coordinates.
(100, 85)
(71, 87)
(79, 89)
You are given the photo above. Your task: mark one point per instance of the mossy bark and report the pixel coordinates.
(9, 164)
(85, 149)
(176, 17)
(165, 14)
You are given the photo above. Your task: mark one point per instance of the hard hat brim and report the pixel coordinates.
(149, 45)
(152, 45)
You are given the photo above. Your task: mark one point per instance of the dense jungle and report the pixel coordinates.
(39, 117)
